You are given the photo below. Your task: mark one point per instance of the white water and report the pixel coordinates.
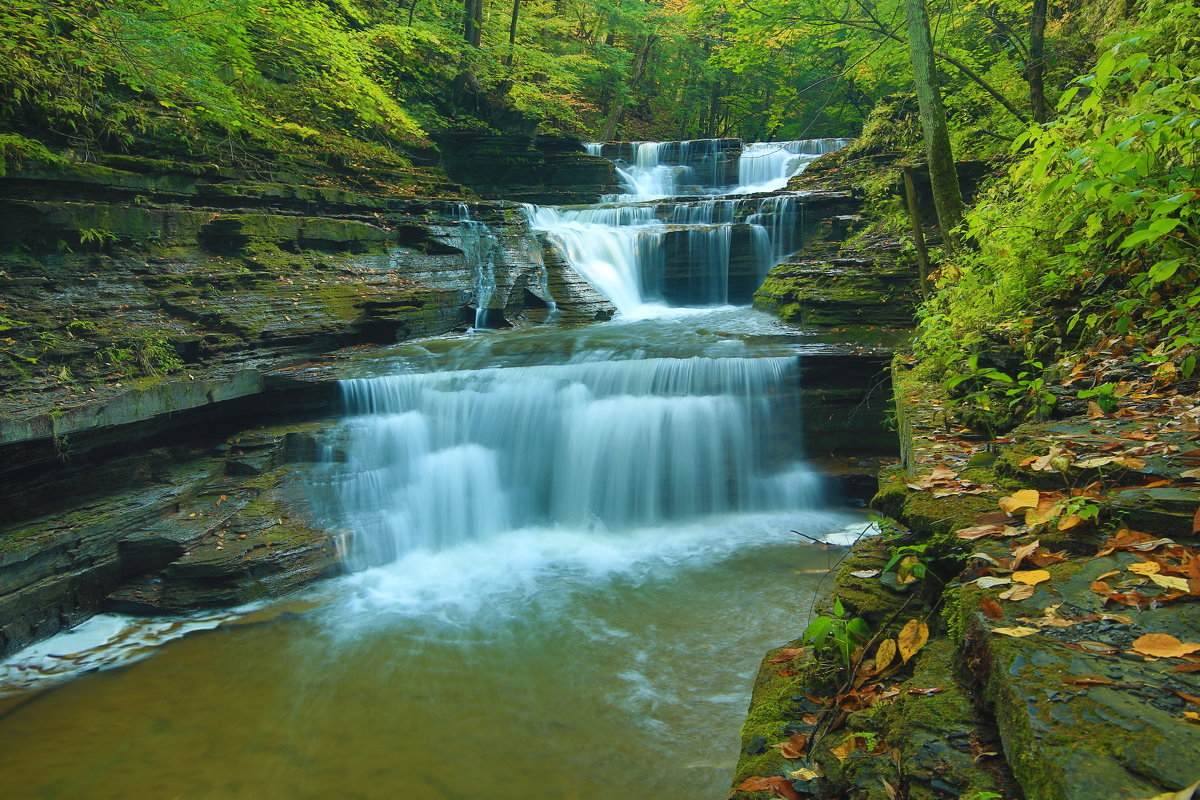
(438, 460)
(559, 538)
(649, 249)
(767, 166)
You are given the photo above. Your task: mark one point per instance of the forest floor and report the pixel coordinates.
(1027, 624)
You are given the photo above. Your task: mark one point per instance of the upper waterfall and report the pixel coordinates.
(691, 229)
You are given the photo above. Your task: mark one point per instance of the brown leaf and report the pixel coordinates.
(990, 608)
(1196, 522)
(794, 747)
(1023, 592)
(1090, 680)
(935, 690)
(1163, 645)
(787, 654)
(775, 784)
(1023, 552)
(1191, 698)
(1048, 508)
(912, 638)
(1132, 599)
(979, 531)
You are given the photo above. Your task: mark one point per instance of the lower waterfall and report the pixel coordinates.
(437, 459)
(568, 548)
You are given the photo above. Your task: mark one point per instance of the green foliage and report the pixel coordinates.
(146, 353)
(839, 631)
(1095, 228)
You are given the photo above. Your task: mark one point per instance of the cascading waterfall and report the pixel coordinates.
(660, 245)
(436, 460)
(559, 534)
(766, 166)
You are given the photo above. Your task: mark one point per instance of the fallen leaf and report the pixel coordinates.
(912, 638)
(1015, 632)
(991, 582)
(1170, 582)
(1145, 568)
(1190, 716)
(803, 774)
(787, 654)
(865, 573)
(1026, 498)
(979, 531)
(1163, 645)
(794, 747)
(1186, 668)
(1047, 509)
(1023, 552)
(1099, 648)
(1016, 593)
(935, 690)
(1091, 680)
(775, 784)
(843, 750)
(1124, 619)
(990, 608)
(1099, 461)
(885, 654)
(1031, 577)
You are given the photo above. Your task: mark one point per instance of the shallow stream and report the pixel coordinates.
(571, 547)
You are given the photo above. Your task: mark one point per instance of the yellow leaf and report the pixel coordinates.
(1031, 577)
(885, 655)
(1146, 568)
(912, 638)
(1026, 498)
(1163, 645)
(1015, 632)
(1170, 582)
(843, 750)
(1069, 521)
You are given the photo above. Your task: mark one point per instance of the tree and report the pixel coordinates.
(943, 177)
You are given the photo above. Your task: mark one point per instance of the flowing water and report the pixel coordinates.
(570, 548)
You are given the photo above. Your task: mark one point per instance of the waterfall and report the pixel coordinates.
(436, 460)
(480, 247)
(767, 166)
(683, 233)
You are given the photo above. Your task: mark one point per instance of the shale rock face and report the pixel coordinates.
(172, 528)
(547, 170)
(144, 303)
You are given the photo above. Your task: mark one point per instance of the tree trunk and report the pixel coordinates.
(914, 218)
(1036, 68)
(512, 33)
(943, 177)
(617, 109)
(472, 21)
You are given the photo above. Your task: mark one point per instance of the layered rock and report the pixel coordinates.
(143, 310)
(542, 169)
